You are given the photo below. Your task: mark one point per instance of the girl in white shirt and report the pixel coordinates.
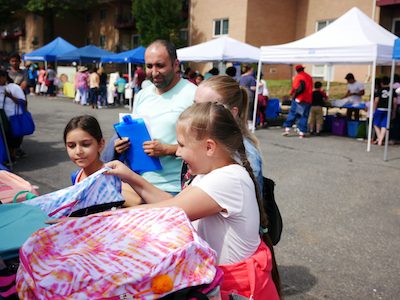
(222, 199)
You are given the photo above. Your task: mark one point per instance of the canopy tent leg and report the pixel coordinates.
(253, 126)
(45, 64)
(385, 154)
(328, 78)
(371, 106)
(129, 85)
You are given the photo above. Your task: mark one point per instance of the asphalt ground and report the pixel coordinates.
(340, 204)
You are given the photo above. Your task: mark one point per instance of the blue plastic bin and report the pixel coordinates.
(352, 128)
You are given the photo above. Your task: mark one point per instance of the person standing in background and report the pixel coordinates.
(301, 93)
(81, 85)
(102, 88)
(355, 90)
(50, 77)
(32, 78)
(316, 115)
(94, 84)
(249, 83)
(18, 75)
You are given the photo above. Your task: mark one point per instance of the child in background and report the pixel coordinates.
(222, 200)
(120, 85)
(84, 141)
(316, 114)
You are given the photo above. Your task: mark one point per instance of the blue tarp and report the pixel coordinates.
(131, 56)
(87, 54)
(396, 49)
(50, 51)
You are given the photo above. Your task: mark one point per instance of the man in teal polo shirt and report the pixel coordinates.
(161, 103)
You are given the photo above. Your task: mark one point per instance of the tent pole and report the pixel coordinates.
(371, 105)
(129, 85)
(253, 127)
(45, 64)
(328, 77)
(385, 154)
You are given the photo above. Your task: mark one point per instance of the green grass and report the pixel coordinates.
(281, 88)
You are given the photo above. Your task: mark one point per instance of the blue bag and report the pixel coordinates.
(18, 221)
(22, 124)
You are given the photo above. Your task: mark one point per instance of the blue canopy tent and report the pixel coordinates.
(88, 54)
(49, 52)
(131, 56)
(395, 57)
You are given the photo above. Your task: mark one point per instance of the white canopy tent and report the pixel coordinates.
(220, 49)
(354, 38)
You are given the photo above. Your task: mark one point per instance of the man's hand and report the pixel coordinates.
(121, 145)
(156, 149)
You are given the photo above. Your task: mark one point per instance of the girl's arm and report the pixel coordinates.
(194, 201)
(148, 192)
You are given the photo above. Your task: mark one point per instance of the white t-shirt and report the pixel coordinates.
(355, 87)
(9, 104)
(233, 234)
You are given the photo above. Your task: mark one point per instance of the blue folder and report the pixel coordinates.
(136, 131)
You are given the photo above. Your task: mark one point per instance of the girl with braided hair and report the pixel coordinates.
(222, 200)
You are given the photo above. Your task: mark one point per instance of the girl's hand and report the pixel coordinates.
(121, 145)
(119, 169)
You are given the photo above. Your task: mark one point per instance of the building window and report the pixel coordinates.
(322, 71)
(184, 35)
(102, 41)
(103, 14)
(135, 40)
(221, 27)
(396, 26)
(322, 24)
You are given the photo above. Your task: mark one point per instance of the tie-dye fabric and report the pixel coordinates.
(95, 189)
(114, 256)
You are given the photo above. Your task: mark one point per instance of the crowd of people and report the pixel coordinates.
(309, 98)
(219, 185)
(211, 162)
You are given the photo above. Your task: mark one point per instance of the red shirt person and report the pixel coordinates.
(301, 94)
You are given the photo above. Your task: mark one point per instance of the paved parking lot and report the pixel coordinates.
(340, 204)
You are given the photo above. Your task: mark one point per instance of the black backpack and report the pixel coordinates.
(275, 223)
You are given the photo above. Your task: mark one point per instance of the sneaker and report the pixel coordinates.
(301, 135)
(286, 132)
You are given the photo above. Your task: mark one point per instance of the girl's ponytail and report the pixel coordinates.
(263, 220)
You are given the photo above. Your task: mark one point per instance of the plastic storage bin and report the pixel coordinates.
(327, 126)
(339, 126)
(352, 128)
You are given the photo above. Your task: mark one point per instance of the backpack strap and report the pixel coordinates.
(74, 175)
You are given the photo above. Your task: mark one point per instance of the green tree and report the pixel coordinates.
(158, 19)
(50, 9)
(9, 8)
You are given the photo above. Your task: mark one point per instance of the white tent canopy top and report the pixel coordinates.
(220, 49)
(353, 38)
